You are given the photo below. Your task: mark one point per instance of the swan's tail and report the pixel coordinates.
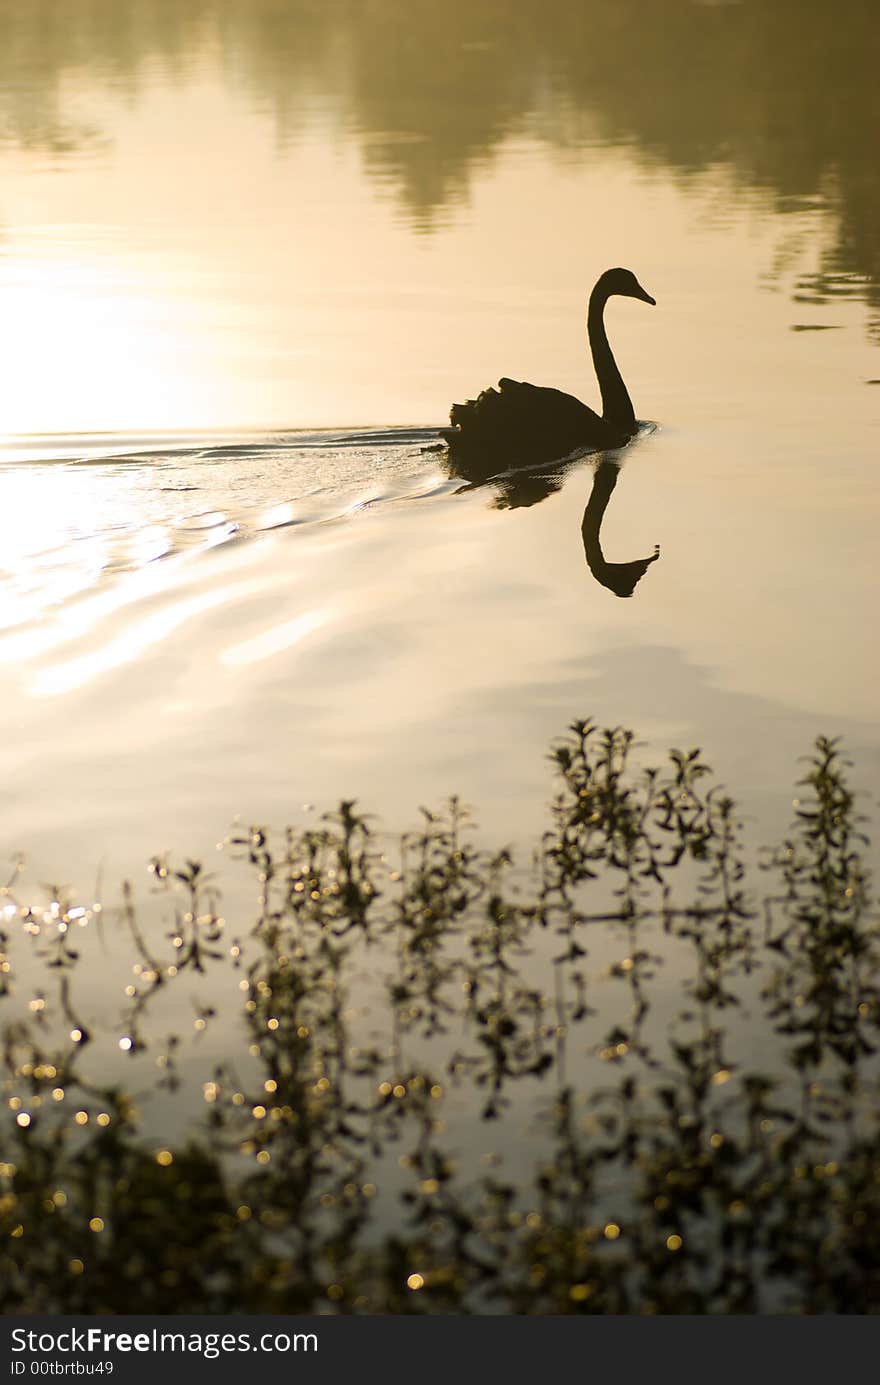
(472, 420)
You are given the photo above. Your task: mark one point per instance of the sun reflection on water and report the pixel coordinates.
(276, 640)
(134, 641)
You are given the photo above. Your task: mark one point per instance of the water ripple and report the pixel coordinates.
(83, 521)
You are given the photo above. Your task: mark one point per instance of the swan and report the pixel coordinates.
(531, 423)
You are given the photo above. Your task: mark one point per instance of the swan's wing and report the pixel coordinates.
(548, 405)
(523, 420)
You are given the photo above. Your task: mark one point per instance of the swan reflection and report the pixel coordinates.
(620, 578)
(514, 489)
(527, 486)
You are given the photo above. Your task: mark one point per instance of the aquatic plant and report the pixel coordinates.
(680, 1075)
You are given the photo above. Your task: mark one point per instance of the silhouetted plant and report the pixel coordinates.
(596, 1015)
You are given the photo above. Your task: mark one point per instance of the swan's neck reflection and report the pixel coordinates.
(620, 578)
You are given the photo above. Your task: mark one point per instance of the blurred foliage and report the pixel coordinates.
(705, 1107)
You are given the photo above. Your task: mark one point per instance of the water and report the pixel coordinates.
(249, 255)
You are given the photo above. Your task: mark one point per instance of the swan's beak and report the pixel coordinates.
(644, 297)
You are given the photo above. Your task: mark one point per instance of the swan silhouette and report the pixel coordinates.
(530, 423)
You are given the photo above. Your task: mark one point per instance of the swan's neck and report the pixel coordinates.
(616, 404)
(620, 578)
(604, 481)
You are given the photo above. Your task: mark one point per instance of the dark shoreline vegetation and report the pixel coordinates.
(431, 94)
(672, 1172)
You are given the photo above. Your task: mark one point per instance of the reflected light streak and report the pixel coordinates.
(126, 647)
(274, 641)
(77, 619)
(73, 621)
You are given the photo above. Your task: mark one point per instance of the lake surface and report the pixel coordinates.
(249, 255)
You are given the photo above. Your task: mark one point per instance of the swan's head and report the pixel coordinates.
(625, 283)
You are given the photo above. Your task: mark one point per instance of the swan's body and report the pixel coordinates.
(526, 423)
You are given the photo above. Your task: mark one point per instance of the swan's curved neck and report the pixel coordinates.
(616, 404)
(604, 481)
(620, 578)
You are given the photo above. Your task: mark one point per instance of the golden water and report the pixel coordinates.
(231, 230)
